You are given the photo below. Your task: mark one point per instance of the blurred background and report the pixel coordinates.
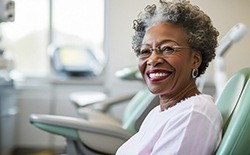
(50, 49)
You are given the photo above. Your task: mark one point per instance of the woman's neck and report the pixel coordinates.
(167, 101)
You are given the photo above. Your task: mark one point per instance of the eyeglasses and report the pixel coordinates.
(164, 50)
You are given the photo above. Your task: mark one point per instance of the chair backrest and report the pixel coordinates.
(231, 94)
(137, 109)
(234, 104)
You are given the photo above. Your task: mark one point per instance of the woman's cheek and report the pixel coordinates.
(142, 66)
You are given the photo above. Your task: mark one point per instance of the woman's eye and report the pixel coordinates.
(145, 52)
(167, 49)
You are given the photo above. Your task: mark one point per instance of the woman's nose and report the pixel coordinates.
(155, 59)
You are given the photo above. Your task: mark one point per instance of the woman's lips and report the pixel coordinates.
(158, 75)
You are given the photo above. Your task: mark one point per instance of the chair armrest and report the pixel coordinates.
(94, 134)
(106, 104)
(93, 115)
(86, 98)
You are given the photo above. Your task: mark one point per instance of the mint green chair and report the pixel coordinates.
(102, 134)
(104, 105)
(137, 104)
(96, 131)
(234, 104)
(134, 113)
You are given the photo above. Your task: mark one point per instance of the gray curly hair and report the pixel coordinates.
(200, 32)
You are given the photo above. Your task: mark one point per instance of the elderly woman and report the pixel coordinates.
(174, 43)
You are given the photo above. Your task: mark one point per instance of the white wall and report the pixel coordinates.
(224, 14)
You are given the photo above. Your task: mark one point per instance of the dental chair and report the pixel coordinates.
(101, 103)
(93, 137)
(98, 136)
(234, 104)
(97, 132)
(139, 102)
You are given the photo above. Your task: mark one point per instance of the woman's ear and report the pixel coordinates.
(197, 59)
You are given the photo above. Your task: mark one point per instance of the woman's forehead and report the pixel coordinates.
(165, 31)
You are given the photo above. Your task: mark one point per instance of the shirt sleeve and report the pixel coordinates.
(191, 133)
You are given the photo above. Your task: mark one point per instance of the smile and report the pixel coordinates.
(158, 75)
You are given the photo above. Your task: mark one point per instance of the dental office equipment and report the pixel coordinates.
(7, 11)
(8, 93)
(98, 124)
(74, 60)
(234, 35)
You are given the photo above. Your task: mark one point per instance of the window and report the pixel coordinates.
(72, 22)
(27, 37)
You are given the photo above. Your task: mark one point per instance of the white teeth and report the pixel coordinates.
(157, 75)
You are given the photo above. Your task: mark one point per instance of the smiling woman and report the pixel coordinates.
(172, 52)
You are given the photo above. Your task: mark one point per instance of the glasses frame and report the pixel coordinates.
(158, 50)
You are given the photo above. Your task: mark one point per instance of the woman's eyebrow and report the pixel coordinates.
(161, 42)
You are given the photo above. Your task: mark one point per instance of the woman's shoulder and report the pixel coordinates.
(198, 101)
(205, 106)
(201, 104)
(194, 103)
